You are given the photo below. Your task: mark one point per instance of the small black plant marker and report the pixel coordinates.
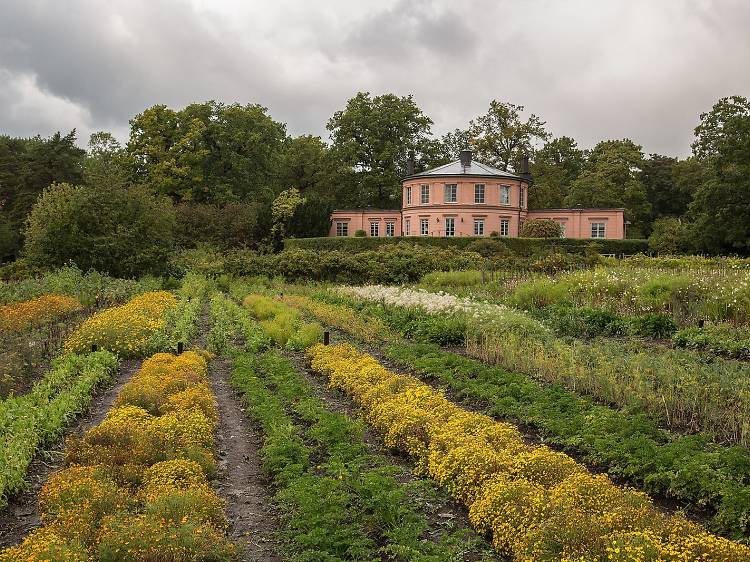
(180, 347)
(326, 338)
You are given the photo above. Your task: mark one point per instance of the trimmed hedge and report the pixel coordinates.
(520, 246)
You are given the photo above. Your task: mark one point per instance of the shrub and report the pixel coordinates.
(541, 228)
(360, 233)
(668, 236)
(121, 230)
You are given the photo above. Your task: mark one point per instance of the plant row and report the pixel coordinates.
(126, 330)
(679, 388)
(538, 504)
(21, 316)
(628, 445)
(37, 418)
(339, 501)
(282, 324)
(136, 485)
(91, 288)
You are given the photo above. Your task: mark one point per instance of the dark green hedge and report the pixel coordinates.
(520, 246)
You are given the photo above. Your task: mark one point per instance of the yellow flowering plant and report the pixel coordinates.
(538, 504)
(20, 316)
(126, 330)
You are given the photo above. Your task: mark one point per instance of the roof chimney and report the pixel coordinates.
(525, 168)
(465, 157)
(410, 164)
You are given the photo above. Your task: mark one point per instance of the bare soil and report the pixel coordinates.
(240, 480)
(22, 513)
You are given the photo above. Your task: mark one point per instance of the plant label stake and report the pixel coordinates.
(326, 338)
(180, 347)
(94, 348)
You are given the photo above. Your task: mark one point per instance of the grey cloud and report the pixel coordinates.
(592, 70)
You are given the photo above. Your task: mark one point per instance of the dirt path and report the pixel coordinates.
(22, 514)
(240, 481)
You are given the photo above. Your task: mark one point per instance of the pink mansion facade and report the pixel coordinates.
(466, 198)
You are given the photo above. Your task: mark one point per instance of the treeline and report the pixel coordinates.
(230, 176)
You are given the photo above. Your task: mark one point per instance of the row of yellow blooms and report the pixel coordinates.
(20, 316)
(125, 330)
(538, 504)
(135, 486)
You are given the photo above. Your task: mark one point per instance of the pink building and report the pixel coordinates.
(466, 198)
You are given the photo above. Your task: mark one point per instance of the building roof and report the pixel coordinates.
(366, 210)
(475, 169)
(568, 209)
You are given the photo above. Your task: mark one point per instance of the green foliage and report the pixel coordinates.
(35, 419)
(229, 226)
(720, 339)
(207, 152)
(668, 236)
(555, 166)
(518, 246)
(501, 138)
(541, 228)
(283, 209)
(374, 136)
(360, 233)
(124, 231)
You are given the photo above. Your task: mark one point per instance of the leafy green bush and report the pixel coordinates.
(541, 228)
(659, 326)
(719, 339)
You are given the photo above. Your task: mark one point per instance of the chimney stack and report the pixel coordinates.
(525, 168)
(465, 157)
(410, 164)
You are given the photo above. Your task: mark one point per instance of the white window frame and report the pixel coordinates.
(505, 195)
(479, 193)
(424, 194)
(452, 229)
(522, 197)
(450, 193)
(598, 230)
(390, 229)
(374, 229)
(424, 227)
(408, 195)
(342, 228)
(478, 227)
(505, 223)
(563, 227)
(407, 227)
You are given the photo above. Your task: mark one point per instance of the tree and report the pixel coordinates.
(27, 167)
(374, 137)
(282, 211)
(541, 228)
(554, 168)
(106, 159)
(669, 235)
(611, 177)
(124, 231)
(209, 152)
(720, 210)
(501, 138)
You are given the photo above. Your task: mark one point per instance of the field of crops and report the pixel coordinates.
(590, 415)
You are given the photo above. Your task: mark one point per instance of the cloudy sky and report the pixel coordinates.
(593, 69)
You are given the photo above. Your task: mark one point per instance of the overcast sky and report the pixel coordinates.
(593, 69)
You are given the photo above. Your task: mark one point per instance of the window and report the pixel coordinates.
(450, 226)
(505, 195)
(597, 230)
(407, 227)
(478, 227)
(425, 194)
(390, 228)
(374, 229)
(451, 191)
(424, 227)
(408, 195)
(562, 228)
(479, 193)
(342, 229)
(522, 198)
(504, 227)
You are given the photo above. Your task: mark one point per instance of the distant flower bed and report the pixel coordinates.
(21, 316)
